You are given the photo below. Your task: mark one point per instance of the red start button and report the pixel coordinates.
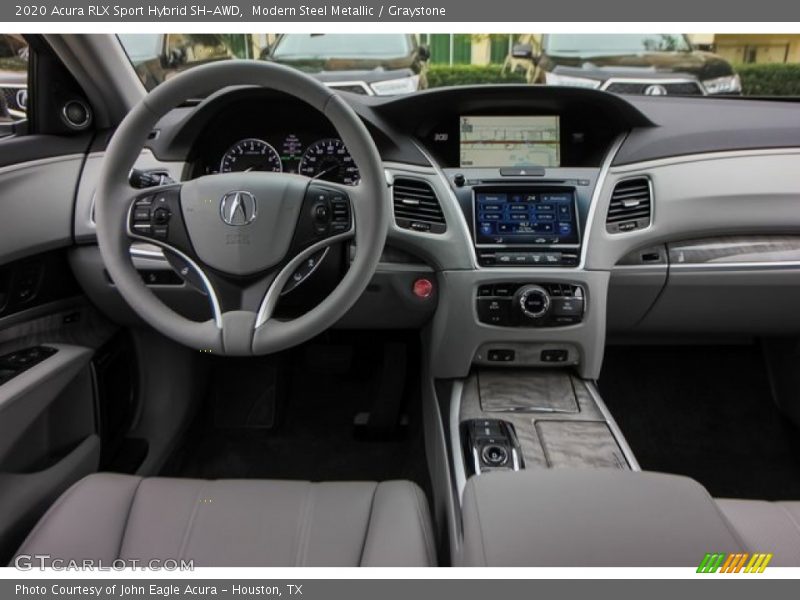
(423, 288)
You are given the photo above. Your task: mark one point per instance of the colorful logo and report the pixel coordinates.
(721, 562)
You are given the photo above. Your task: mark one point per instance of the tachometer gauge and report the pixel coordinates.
(251, 154)
(329, 159)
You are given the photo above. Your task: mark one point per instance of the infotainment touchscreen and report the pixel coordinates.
(525, 217)
(510, 141)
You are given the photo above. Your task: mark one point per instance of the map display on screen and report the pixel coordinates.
(513, 141)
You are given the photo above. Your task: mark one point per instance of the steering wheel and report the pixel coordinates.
(241, 236)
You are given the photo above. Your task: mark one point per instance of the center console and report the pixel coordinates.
(532, 419)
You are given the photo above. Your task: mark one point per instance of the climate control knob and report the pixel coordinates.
(533, 301)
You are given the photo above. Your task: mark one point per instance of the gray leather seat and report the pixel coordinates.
(238, 523)
(767, 527)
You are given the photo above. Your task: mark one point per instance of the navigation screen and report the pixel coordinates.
(525, 217)
(510, 142)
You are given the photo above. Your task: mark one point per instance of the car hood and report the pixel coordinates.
(650, 65)
(13, 77)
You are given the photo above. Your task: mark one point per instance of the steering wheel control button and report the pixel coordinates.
(160, 277)
(328, 213)
(304, 271)
(161, 216)
(341, 213)
(321, 213)
(423, 288)
(185, 271)
(152, 214)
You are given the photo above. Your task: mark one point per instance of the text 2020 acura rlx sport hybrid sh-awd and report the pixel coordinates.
(247, 319)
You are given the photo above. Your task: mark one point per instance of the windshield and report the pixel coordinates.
(629, 43)
(140, 46)
(335, 45)
(13, 78)
(382, 64)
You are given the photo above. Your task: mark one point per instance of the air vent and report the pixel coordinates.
(631, 206)
(416, 207)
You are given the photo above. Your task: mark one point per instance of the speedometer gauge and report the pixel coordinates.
(250, 154)
(329, 159)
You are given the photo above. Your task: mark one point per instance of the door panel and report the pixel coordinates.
(49, 333)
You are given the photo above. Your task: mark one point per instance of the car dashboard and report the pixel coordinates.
(637, 217)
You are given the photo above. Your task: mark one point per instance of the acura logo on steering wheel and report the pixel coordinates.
(238, 208)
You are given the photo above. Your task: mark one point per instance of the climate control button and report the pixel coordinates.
(515, 304)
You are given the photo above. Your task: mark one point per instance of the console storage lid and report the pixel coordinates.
(590, 518)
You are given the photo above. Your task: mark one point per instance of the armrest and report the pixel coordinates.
(590, 518)
(26, 396)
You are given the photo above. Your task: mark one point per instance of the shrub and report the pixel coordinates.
(757, 79)
(13, 64)
(445, 75)
(770, 79)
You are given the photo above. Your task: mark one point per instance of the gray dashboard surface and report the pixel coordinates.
(697, 125)
(752, 191)
(38, 198)
(659, 127)
(723, 193)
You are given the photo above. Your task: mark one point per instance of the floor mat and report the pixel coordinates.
(705, 412)
(313, 438)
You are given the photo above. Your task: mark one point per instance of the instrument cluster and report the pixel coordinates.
(262, 132)
(314, 155)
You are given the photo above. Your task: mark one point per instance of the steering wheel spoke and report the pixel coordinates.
(154, 216)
